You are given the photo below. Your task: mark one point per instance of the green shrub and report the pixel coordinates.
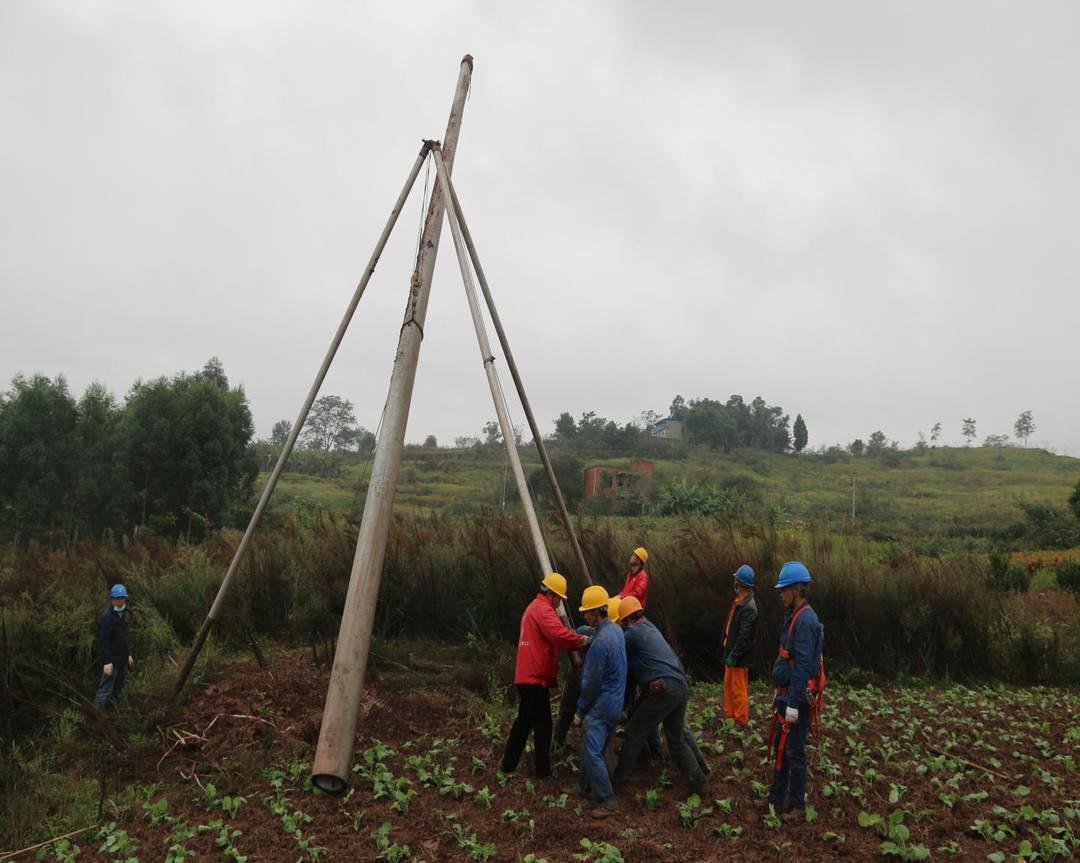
(182, 593)
(1067, 573)
(886, 610)
(1005, 576)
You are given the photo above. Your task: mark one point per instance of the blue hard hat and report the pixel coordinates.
(745, 575)
(118, 592)
(793, 572)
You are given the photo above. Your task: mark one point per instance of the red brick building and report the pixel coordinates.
(603, 479)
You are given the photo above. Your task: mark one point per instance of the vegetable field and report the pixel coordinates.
(905, 773)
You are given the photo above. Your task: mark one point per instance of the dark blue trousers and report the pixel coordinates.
(111, 688)
(790, 780)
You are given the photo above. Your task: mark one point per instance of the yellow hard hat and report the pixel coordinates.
(556, 584)
(628, 606)
(642, 555)
(594, 597)
(613, 606)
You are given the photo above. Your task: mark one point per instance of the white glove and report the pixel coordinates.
(791, 715)
(131, 662)
(108, 670)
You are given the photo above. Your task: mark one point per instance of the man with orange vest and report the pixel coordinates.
(541, 637)
(736, 645)
(796, 670)
(637, 579)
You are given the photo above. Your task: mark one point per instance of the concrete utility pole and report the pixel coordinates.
(333, 755)
(286, 450)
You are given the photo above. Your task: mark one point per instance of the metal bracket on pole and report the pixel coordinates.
(294, 433)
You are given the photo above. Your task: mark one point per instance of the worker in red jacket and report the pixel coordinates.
(637, 585)
(637, 579)
(542, 636)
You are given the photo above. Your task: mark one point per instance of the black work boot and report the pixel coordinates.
(605, 809)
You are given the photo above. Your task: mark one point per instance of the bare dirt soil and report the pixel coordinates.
(971, 773)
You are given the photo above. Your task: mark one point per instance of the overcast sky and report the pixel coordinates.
(863, 212)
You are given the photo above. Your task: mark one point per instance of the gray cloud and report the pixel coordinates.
(861, 212)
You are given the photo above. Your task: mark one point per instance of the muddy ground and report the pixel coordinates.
(959, 765)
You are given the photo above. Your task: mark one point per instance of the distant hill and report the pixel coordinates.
(943, 492)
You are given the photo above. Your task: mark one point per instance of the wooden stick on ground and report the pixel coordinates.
(962, 760)
(11, 855)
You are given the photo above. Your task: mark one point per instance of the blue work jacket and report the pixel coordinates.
(603, 676)
(804, 648)
(649, 655)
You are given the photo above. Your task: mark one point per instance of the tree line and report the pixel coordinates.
(878, 443)
(724, 426)
(330, 432)
(174, 455)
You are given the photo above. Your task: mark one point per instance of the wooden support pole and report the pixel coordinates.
(492, 375)
(294, 433)
(511, 364)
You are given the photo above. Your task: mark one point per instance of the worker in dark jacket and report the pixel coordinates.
(541, 637)
(603, 686)
(113, 648)
(737, 643)
(794, 671)
(657, 670)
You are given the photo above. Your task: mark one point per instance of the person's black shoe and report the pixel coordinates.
(604, 810)
(794, 816)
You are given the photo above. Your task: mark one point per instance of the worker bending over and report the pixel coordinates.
(657, 670)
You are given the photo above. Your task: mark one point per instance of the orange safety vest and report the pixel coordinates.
(730, 617)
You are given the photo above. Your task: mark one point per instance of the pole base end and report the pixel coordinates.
(329, 783)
